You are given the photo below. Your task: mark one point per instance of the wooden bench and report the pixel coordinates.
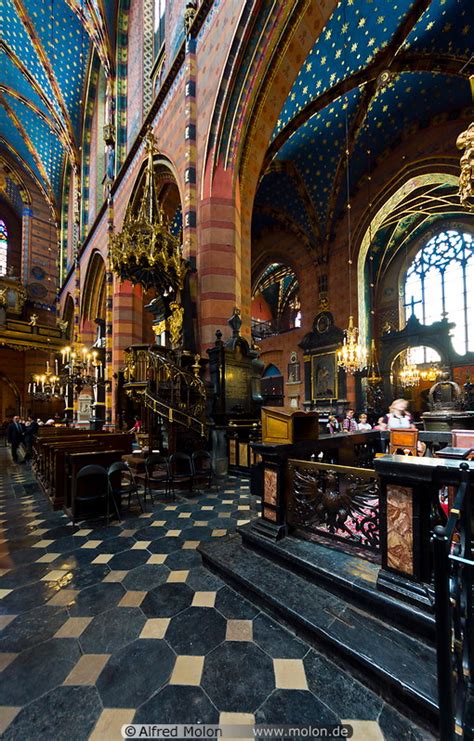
(52, 468)
(56, 435)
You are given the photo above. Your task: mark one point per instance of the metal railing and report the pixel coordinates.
(453, 578)
(175, 394)
(172, 392)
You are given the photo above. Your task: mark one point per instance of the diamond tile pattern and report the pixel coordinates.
(108, 625)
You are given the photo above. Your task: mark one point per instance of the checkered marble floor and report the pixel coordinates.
(101, 626)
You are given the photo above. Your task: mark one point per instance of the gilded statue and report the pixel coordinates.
(33, 320)
(62, 325)
(465, 141)
(176, 323)
(189, 15)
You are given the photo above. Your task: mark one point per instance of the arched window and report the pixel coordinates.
(440, 282)
(3, 247)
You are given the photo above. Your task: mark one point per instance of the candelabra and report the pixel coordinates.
(45, 386)
(81, 368)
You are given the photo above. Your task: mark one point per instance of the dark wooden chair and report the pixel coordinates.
(156, 475)
(91, 488)
(181, 471)
(122, 483)
(202, 468)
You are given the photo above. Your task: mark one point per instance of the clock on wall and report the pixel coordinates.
(323, 322)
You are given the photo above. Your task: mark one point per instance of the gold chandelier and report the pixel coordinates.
(410, 374)
(145, 251)
(353, 355)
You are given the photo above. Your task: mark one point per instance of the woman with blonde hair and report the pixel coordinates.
(399, 418)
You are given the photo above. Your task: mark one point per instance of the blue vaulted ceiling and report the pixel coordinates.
(381, 69)
(44, 55)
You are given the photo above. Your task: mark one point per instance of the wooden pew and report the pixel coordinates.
(60, 476)
(52, 471)
(50, 435)
(76, 461)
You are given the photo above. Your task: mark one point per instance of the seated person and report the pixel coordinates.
(349, 424)
(381, 424)
(363, 424)
(333, 424)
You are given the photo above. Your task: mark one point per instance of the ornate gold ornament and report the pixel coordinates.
(465, 141)
(176, 323)
(160, 327)
(12, 293)
(145, 251)
(189, 15)
(62, 325)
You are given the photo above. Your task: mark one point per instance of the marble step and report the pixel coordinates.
(352, 578)
(398, 666)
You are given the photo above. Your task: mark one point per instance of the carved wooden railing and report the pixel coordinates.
(338, 502)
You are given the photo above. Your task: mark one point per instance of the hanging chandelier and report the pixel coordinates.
(352, 356)
(431, 374)
(410, 374)
(145, 251)
(373, 370)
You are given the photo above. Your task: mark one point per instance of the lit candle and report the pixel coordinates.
(56, 366)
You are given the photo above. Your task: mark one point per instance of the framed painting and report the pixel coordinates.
(324, 376)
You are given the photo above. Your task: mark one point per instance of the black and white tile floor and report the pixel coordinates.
(101, 626)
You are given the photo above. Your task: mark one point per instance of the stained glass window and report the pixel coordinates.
(440, 283)
(3, 247)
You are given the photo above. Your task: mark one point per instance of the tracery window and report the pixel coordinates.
(440, 283)
(159, 26)
(3, 247)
